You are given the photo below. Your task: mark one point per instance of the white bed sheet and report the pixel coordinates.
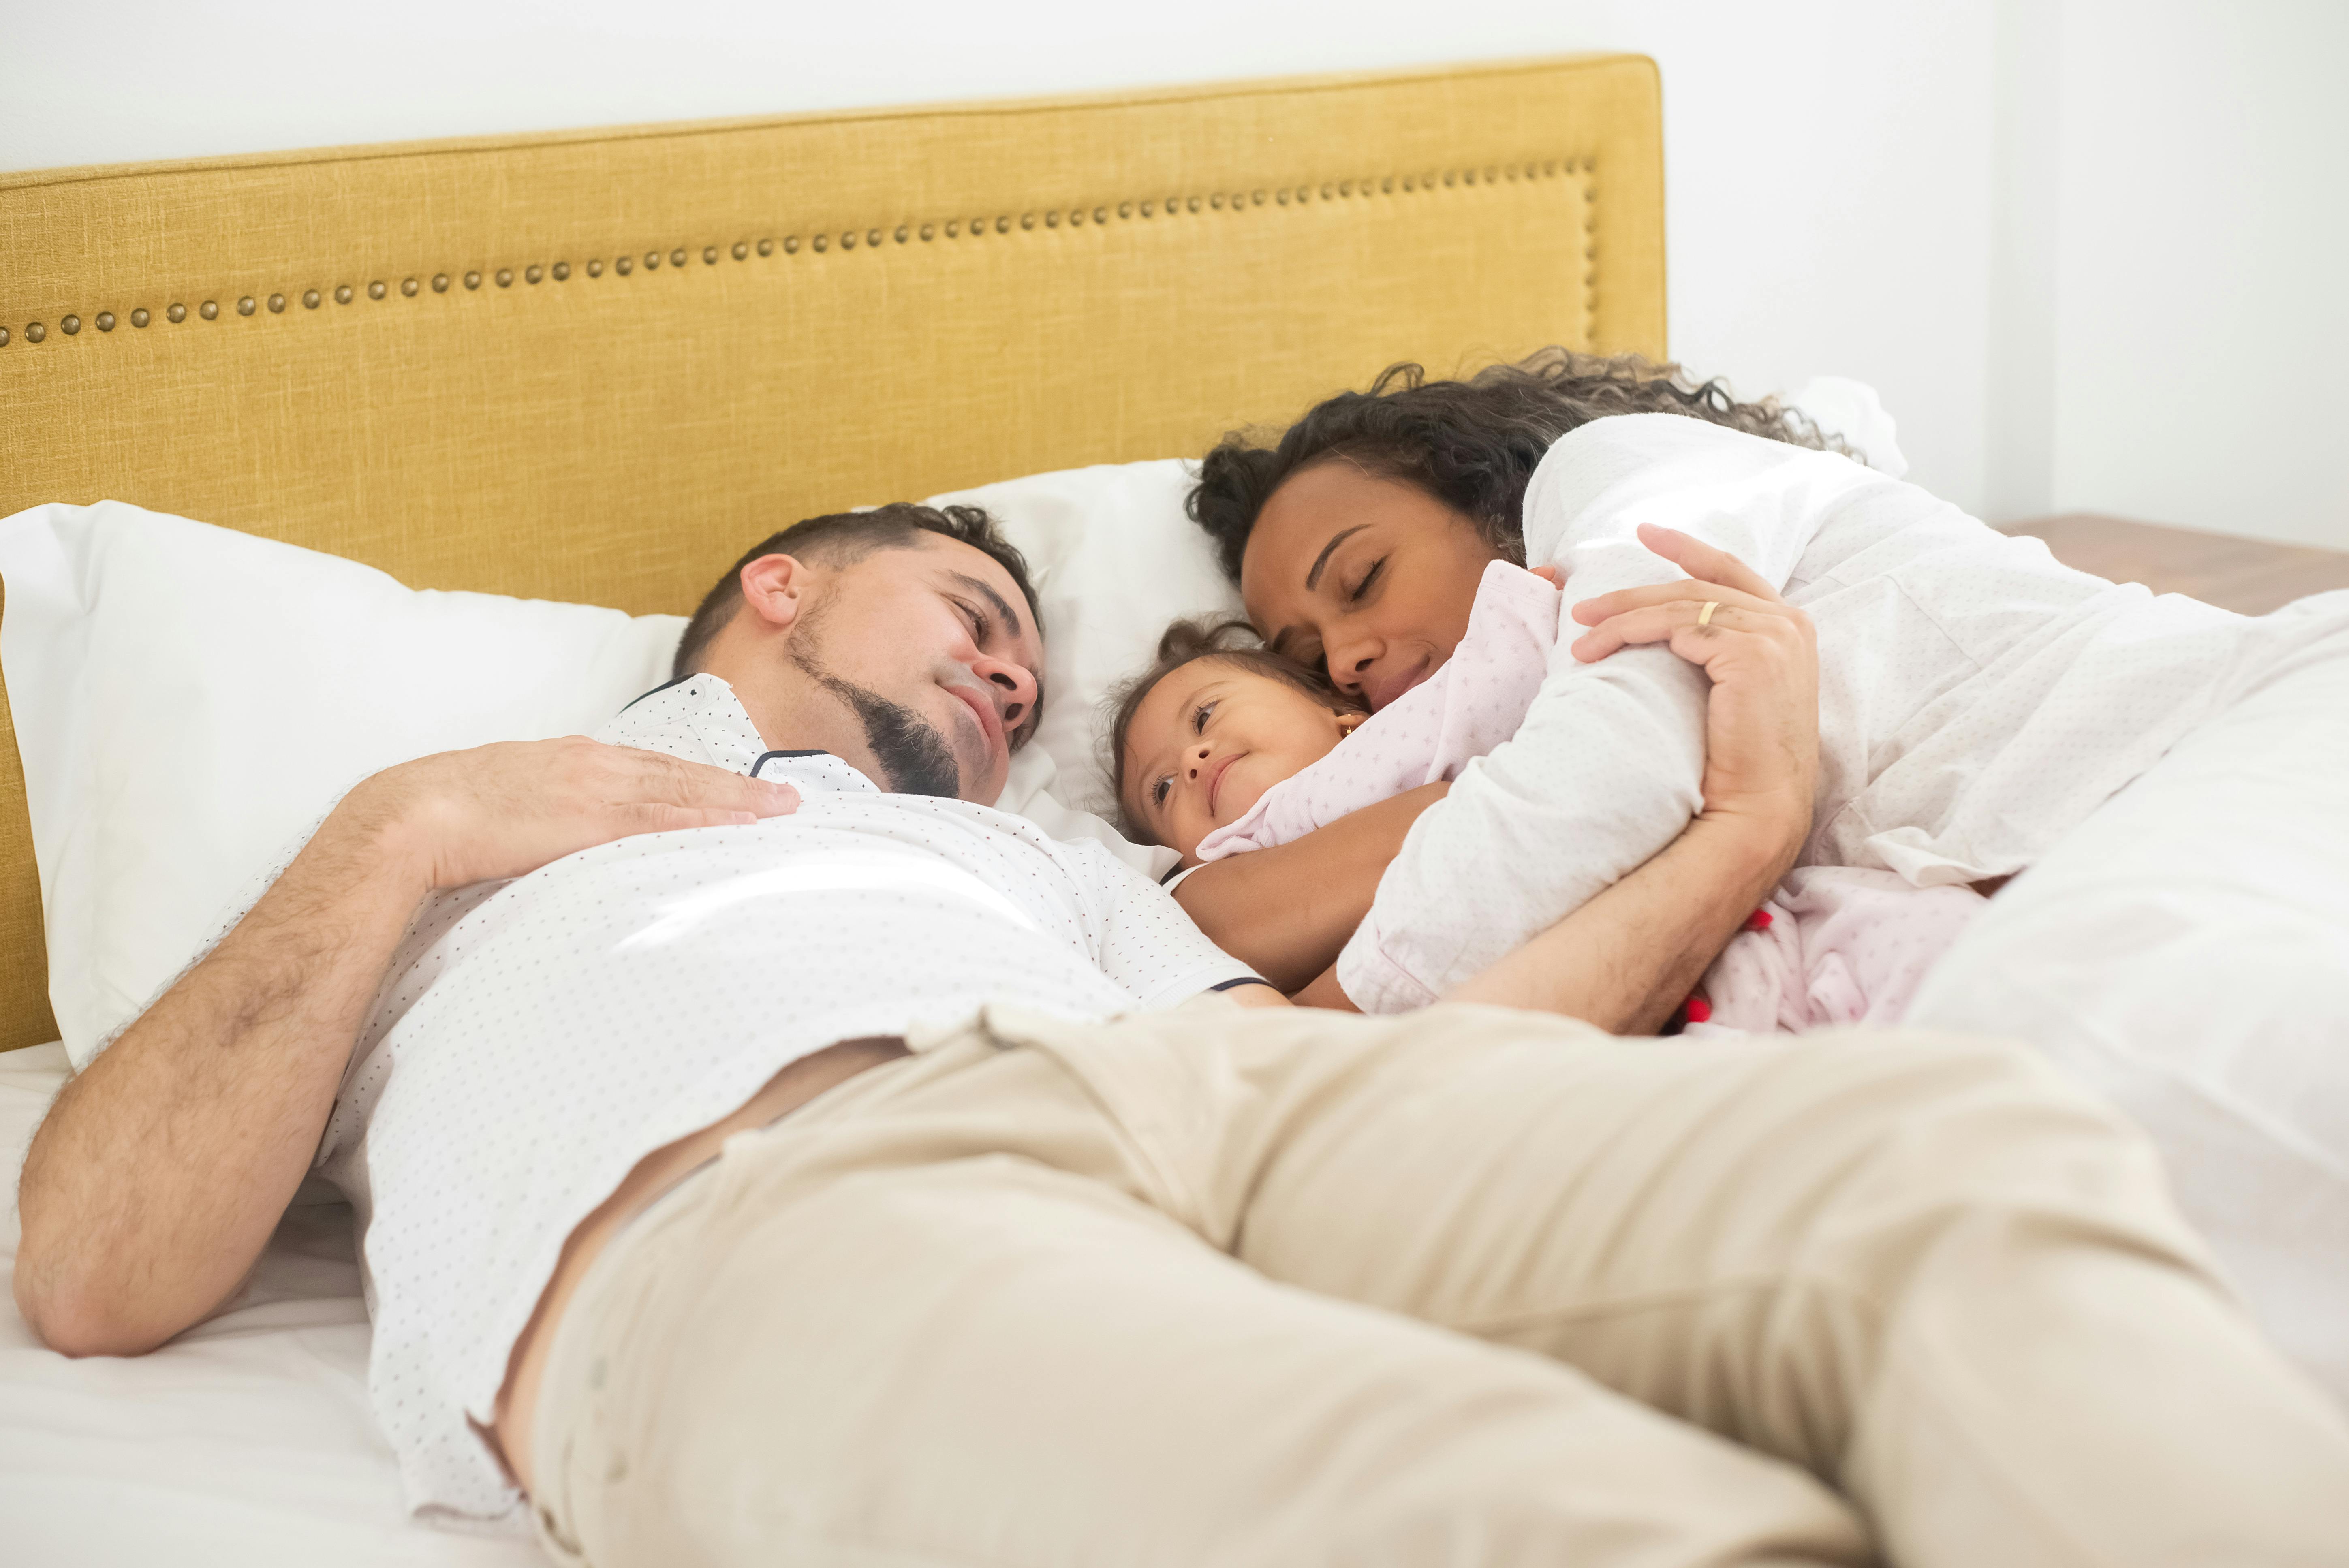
(245, 1442)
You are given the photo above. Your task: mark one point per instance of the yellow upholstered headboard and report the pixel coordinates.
(592, 365)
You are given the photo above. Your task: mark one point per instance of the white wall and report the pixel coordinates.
(1981, 206)
(2202, 265)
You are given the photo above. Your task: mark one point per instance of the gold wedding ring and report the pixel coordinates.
(1705, 616)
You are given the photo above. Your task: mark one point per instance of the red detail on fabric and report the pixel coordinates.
(1760, 920)
(1698, 1010)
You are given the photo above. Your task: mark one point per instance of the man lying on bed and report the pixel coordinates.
(765, 1153)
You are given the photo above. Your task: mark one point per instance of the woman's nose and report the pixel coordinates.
(1349, 664)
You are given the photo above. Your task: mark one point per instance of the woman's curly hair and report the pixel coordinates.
(1472, 444)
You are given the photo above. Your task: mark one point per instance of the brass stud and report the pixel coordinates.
(1407, 182)
(377, 289)
(954, 229)
(408, 287)
(1282, 195)
(766, 247)
(1003, 224)
(506, 277)
(562, 272)
(708, 256)
(177, 313)
(848, 238)
(532, 273)
(822, 242)
(106, 321)
(873, 237)
(440, 283)
(1126, 209)
(904, 233)
(1386, 186)
(1467, 177)
(624, 266)
(472, 280)
(1216, 200)
(1492, 175)
(309, 299)
(4, 337)
(790, 244)
(1146, 209)
(71, 324)
(929, 231)
(1100, 214)
(652, 261)
(1449, 177)
(276, 303)
(676, 257)
(1027, 219)
(1195, 204)
(596, 267)
(244, 306)
(34, 331)
(341, 293)
(1053, 218)
(140, 317)
(1256, 198)
(1345, 188)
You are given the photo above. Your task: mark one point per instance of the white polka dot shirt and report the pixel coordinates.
(537, 1038)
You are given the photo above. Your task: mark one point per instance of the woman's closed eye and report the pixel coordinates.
(1354, 594)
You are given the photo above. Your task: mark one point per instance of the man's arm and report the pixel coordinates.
(158, 1175)
(1285, 911)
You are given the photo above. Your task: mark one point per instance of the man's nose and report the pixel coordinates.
(1015, 689)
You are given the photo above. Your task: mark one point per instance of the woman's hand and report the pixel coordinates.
(1762, 724)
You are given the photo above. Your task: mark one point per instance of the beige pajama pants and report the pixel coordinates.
(1219, 1287)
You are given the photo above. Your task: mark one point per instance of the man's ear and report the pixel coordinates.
(774, 587)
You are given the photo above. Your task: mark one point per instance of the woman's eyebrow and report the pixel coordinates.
(1313, 578)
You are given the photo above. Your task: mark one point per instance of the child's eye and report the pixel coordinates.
(1368, 577)
(1158, 793)
(1199, 718)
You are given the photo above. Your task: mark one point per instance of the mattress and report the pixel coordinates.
(246, 1441)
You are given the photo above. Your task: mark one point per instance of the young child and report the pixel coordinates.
(1222, 747)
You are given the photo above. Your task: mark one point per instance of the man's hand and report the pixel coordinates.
(504, 810)
(159, 1174)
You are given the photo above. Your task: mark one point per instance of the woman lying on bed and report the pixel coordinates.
(1977, 700)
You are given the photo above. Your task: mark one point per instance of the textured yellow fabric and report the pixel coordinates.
(819, 312)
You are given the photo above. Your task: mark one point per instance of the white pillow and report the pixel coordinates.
(187, 699)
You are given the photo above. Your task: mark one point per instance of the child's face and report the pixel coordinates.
(1211, 739)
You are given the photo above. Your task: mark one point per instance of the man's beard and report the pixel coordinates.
(908, 747)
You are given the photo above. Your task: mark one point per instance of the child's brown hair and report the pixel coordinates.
(1187, 642)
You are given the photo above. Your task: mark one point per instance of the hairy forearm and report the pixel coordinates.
(159, 1174)
(1286, 911)
(1627, 958)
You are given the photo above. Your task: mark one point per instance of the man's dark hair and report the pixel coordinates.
(843, 539)
(1472, 444)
